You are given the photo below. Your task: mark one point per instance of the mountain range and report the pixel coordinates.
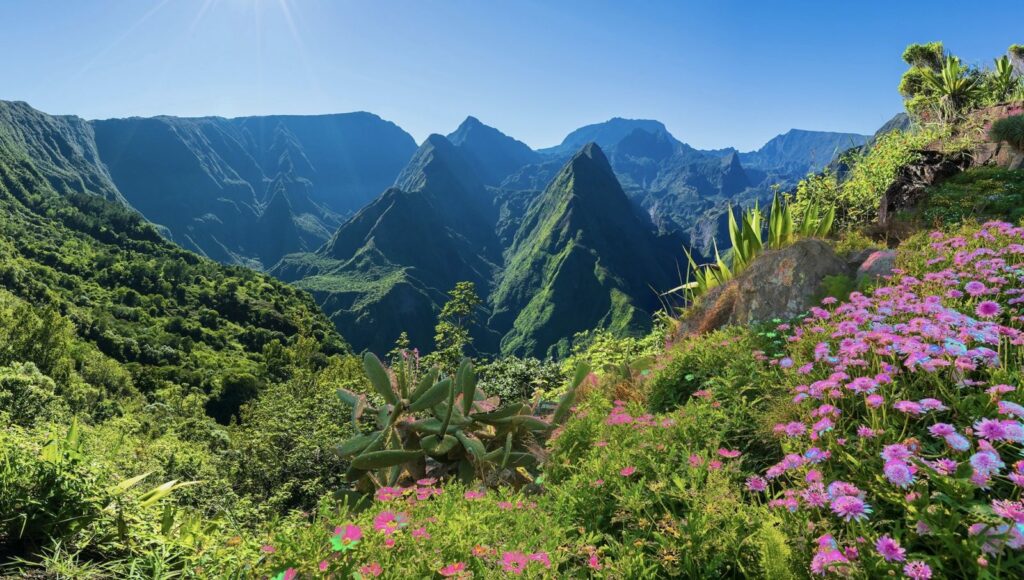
(557, 240)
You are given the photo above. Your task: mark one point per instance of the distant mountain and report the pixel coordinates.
(493, 154)
(798, 152)
(605, 134)
(144, 313)
(583, 258)
(346, 206)
(387, 269)
(222, 187)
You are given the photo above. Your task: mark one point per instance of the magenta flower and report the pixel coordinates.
(850, 507)
(988, 309)
(472, 495)
(890, 550)
(627, 471)
(899, 473)
(756, 483)
(975, 288)
(346, 538)
(372, 569)
(917, 570)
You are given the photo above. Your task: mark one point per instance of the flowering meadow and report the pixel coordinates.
(883, 438)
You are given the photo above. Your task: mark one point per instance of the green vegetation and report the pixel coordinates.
(747, 241)
(979, 194)
(1009, 129)
(940, 84)
(166, 416)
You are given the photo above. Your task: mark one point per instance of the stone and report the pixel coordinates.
(779, 284)
(878, 264)
(913, 180)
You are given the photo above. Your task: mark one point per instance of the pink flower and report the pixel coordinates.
(345, 538)
(514, 562)
(390, 522)
(594, 563)
(268, 549)
(850, 507)
(627, 471)
(988, 309)
(323, 566)
(917, 570)
(756, 483)
(890, 549)
(453, 569)
(474, 495)
(729, 454)
(372, 569)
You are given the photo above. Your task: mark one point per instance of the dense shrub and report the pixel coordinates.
(1009, 129)
(719, 359)
(857, 198)
(515, 379)
(28, 396)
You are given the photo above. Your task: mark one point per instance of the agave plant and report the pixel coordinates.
(953, 86)
(747, 243)
(1002, 80)
(447, 420)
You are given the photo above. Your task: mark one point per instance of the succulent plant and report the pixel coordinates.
(446, 424)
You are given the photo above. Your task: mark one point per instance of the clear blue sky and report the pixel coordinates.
(717, 73)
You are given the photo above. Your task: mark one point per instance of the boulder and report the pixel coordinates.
(779, 284)
(877, 264)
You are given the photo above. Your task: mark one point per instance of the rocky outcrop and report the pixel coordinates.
(913, 180)
(779, 284)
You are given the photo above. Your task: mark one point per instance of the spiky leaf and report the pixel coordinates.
(379, 378)
(386, 458)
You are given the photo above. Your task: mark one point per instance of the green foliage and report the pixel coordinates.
(461, 429)
(981, 194)
(923, 59)
(514, 379)
(28, 396)
(1009, 129)
(696, 364)
(747, 242)
(283, 452)
(452, 334)
(856, 199)
(952, 88)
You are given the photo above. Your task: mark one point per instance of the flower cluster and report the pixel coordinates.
(899, 408)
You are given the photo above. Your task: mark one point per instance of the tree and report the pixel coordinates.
(451, 335)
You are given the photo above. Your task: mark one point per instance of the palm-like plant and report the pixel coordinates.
(1002, 79)
(953, 87)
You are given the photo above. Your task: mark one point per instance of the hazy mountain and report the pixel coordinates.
(605, 134)
(212, 181)
(798, 152)
(493, 154)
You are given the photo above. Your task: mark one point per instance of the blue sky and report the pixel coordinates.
(717, 73)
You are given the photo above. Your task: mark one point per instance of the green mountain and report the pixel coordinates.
(386, 270)
(582, 259)
(252, 189)
(176, 322)
(63, 148)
